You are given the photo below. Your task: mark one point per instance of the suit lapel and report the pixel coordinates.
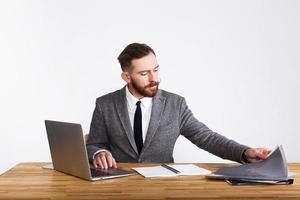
(156, 114)
(121, 105)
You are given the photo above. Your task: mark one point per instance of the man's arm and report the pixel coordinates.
(97, 144)
(199, 134)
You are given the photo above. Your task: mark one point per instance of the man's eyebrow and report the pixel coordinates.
(148, 70)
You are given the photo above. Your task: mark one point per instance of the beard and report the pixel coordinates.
(149, 90)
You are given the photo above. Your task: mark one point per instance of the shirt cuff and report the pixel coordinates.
(99, 151)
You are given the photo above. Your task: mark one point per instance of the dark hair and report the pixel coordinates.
(133, 51)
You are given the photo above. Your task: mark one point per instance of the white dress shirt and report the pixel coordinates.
(146, 107)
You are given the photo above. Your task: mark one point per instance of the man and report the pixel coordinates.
(141, 123)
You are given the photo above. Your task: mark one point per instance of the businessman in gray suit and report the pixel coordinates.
(141, 123)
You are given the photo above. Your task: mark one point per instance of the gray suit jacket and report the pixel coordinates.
(110, 129)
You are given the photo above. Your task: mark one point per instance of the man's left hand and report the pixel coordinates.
(256, 154)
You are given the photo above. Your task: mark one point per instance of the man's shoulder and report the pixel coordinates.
(110, 96)
(170, 95)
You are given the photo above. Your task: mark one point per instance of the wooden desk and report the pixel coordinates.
(30, 181)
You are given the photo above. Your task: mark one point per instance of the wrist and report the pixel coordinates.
(244, 156)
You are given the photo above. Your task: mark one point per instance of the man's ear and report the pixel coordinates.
(126, 77)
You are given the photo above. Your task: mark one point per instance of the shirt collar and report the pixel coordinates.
(131, 100)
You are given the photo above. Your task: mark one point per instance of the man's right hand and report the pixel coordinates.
(104, 160)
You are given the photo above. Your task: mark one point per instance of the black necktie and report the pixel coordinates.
(138, 133)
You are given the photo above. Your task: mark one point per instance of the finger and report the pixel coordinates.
(95, 163)
(99, 162)
(267, 151)
(114, 163)
(109, 160)
(104, 162)
(264, 153)
(252, 160)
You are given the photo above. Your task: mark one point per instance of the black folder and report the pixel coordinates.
(273, 170)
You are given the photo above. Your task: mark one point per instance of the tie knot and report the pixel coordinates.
(138, 103)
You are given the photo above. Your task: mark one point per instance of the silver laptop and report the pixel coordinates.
(69, 155)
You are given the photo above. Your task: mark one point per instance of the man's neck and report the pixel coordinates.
(134, 93)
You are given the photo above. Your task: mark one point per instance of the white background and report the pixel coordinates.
(237, 63)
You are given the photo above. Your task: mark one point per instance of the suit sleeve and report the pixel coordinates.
(98, 139)
(199, 134)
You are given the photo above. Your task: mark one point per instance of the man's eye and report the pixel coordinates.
(144, 73)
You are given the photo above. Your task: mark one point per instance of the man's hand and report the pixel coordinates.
(104, 160)
(256, 154)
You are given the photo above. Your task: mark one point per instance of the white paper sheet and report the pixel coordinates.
(159, 171)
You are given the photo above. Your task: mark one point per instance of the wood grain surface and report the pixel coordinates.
(30, 181)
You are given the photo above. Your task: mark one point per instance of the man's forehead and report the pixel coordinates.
(145, 63)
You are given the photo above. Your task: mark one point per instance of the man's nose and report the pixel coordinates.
(153, 77)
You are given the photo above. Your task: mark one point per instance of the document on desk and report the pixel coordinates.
(165, 170)
(272, 170)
